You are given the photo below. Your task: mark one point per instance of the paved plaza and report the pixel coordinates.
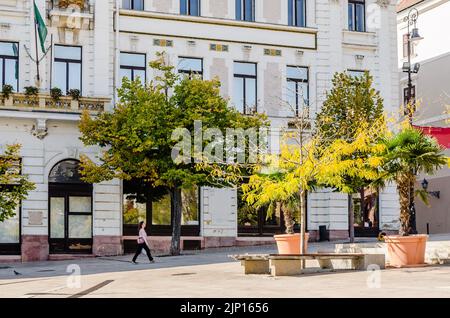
(209, 273)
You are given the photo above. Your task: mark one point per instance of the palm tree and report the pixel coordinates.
(408, 153)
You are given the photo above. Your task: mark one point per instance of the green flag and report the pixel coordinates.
(41, 28)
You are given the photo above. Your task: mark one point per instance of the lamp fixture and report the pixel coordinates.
(436, 194)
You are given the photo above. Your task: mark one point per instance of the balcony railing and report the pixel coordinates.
(64, 104)
(82, 5)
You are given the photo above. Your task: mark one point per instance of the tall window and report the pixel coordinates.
(245, 10)
(132, 66)
(297, 88)
(190, 66)
(190, 7)
(9, 64)
(133, 4)
(297, 13)
(244, 95)
(67, 67)
(356, 15)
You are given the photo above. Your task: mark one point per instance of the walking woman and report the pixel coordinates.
(142, 244)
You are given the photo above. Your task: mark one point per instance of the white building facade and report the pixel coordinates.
(259, 49)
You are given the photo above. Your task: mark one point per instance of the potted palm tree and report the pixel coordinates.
(289, 243)
(408, 153)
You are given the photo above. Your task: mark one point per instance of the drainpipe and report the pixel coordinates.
(117, 53)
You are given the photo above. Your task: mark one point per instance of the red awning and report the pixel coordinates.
(440, 133)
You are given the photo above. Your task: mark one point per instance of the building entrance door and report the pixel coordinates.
(70, 207)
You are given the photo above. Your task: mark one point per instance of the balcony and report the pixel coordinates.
(71, 14)
(44, 102)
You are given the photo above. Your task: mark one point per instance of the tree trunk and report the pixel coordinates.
(288, 217)
(176, 221)
(351, 219)
(403, 187)
(302, 226)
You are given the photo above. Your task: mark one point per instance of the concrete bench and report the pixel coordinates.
(254, 264)
(286, 265)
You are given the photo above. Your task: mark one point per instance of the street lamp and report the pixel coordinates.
(413, 36)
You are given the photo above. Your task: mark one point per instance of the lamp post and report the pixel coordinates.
(413, 36)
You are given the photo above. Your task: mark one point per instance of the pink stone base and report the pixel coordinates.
(34, 248)
(107, 245)
(334, 235)
(4, 259)
(215, 241)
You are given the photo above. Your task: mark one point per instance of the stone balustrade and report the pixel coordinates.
(67, 104)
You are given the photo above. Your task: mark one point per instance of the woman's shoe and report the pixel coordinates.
(134, 262)
(152, 261)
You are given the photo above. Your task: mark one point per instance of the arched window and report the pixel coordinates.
(66, 171)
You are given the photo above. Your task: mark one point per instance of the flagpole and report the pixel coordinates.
(51, 61)
(36, 44)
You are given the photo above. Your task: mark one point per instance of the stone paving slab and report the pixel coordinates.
(211, 274)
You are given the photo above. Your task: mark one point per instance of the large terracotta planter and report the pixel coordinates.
(406, 250)
(290, 243)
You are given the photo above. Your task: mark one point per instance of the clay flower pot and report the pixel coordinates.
(406, 250)
(290, 243)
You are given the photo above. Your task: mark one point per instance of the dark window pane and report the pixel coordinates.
(245, 68)
(67, 52)
(291, 12)
(194, 7)
(126, 4)
(303, 98)
(65, 172)
(190, 65)
(139, 74)
(250, 94)
(161, 211)
(183, 6)
(74, 76)
(10, 49)
(60, 76)
(300, 73)
(129, 59)
(238, 94)
(300, 13)
(125, 73)
(11, 72)
(238, 9)
(10, 229)
(351, 26)
(359, 17)
(138, 4)
(291, 97)
(249, 12)
(189, 198)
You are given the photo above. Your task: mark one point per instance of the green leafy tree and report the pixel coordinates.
(351, 103)
(14, 186)
(137, 135)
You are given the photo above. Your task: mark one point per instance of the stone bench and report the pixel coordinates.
(254, 264)
(286, 265)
